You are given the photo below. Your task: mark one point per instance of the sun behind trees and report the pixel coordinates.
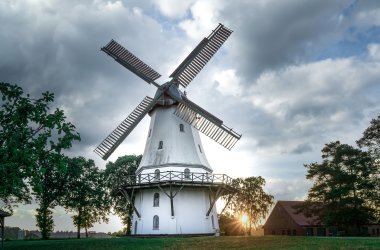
(250, 200)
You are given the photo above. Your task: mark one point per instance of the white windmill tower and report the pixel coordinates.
(174, 190)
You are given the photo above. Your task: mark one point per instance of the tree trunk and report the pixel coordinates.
(44, 222)
(86, 232)
(78, 223)
(78, 231)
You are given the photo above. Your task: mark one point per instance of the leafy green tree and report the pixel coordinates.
(250, 200)
(371, 141)
(371, 138)
(48, 184)
(116, 174)
(86, 194)
(28, 131)
(343, 186)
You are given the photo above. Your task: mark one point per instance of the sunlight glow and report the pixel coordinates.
(244, 218)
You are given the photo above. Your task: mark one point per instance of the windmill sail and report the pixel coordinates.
(207, 123)
(198, 58)
(130, 61)
(108, 145)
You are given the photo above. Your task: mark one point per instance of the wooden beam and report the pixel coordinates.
(228, 202)
(129, 199)
(215, 197)
(171, 196)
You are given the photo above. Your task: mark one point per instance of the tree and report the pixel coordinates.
(371, 138)
(115, 173)
(86, 195)
(371, 141)
(48, 184)
(343, 187)
(28, 130)
(250, 200)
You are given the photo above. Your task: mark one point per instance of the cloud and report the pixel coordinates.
(302, 148)
(374, 51)
(271, 35)
(228, 84)
(312, 100)
(172, 8)
(285, 189)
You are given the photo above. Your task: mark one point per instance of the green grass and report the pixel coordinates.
(198, 243)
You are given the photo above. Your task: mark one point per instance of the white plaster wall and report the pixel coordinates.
(190, 208)
(179, 148)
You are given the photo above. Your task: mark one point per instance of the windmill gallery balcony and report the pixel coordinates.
(172, 182)
(174, 177)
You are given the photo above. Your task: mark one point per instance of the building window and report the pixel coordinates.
(321, 231)
(289, 232)
(294, 232)
(187, 173)
(150, 131)
(273, 232)
(156, 200)
(156, 222)
(212, 222)
(200, 149)
(309, 231)
(135, 227)
(160, 144)
(157, 175)
(181, 129)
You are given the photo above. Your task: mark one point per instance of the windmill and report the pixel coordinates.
(173, 147)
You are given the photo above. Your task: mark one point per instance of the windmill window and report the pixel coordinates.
(212, 222)
(135, 227)
(200, 149)
(157, 175)
(156, 222)
(181, 128)
(187, 173)
(150, 131)
(160, 144)
(156, 200)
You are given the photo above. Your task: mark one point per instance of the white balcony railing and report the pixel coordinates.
(175, 176)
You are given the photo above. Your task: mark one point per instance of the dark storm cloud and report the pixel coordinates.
(55, 46)
(302, 148)
(273, 34)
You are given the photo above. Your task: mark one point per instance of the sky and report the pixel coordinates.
(293, 76)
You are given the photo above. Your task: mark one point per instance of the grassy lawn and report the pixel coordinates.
(262, 242)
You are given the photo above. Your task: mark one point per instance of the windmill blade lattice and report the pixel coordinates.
(207, 124)
(130, 61)
(108, 145)
(199, 57)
